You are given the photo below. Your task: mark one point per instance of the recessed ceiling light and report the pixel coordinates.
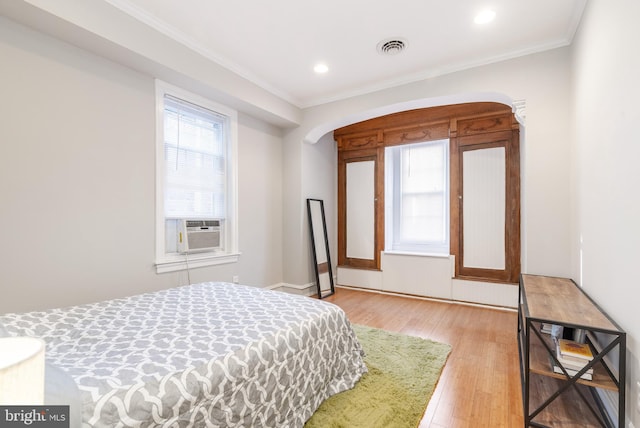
(320, 68)
(485, 16)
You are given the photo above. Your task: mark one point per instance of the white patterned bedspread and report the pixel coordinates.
(211, 354)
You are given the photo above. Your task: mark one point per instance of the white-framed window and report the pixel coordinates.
(417, 198)
(196, 176)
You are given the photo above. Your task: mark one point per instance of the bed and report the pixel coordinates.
(209, 354)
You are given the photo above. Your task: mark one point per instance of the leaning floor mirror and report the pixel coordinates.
(320, 248)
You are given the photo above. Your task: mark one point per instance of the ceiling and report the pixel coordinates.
(276, 44)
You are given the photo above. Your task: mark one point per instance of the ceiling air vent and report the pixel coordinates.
(391, 46)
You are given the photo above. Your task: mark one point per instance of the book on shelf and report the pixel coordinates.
(588, 375)
(574, 350)
(571, 370)
(574, 367)
(572, 363)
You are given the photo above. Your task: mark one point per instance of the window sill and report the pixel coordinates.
(410, 253)
(179, 262)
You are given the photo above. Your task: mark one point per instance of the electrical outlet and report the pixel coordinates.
(236, 279)
(631, 425)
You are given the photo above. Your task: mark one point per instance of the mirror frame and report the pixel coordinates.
(324, 267)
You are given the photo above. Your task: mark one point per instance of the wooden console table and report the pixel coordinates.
(560, 400)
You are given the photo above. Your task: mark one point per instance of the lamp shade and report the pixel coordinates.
(21, 371)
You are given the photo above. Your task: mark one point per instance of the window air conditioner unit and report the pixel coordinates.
(200, 235)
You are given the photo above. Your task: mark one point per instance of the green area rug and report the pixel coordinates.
(403, 372)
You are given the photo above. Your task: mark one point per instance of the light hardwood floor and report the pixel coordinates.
(480, 383)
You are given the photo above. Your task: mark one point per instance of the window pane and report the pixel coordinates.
(422, 218)
(422, 169)
(417, 187)
(195, 161)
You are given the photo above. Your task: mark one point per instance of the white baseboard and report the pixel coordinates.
(609, 400)
(507, 292)
(485, 293)
(303, 290)
(431, 299)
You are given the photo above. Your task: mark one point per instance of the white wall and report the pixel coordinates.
(320, 165)
(605, 174)
(542, 80)
(104, 28)
(77, 181)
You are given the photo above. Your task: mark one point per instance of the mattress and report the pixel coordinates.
(209, 354)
